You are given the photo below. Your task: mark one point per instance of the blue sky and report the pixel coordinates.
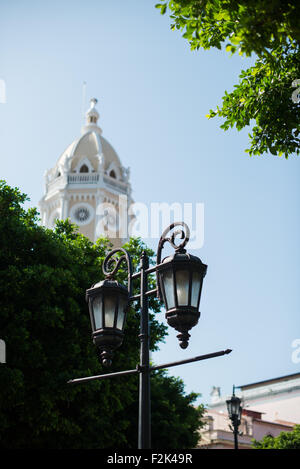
(153, 96)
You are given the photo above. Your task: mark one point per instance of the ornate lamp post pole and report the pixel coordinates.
(179, 286)
(235, 412)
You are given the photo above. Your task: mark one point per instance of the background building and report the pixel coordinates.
(89, 185)
(269, 407)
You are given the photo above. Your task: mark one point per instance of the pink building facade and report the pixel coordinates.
(269, 407)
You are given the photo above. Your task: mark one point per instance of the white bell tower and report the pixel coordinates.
(89, 186)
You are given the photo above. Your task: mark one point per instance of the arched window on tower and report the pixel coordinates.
(113, 174)
(84, 169)
(92, 120)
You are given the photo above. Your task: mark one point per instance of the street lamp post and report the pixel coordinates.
(179, 285)
(235, 412)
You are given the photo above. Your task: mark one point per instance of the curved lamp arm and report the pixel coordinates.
(184, 234)
(112, 264)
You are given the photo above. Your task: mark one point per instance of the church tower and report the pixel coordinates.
(89, 186)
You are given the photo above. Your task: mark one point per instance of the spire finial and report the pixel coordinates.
(92, 114)
(91, 118)
(93, 102)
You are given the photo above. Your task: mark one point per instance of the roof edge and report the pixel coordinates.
(269, 381)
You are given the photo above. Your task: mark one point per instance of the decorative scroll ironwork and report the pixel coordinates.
(183, 233)
(112, 264)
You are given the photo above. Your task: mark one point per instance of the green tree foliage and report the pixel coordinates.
(171, 404)
(269, 29)
(45, 324)
(285, 440)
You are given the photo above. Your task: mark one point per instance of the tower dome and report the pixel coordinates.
(88, 184)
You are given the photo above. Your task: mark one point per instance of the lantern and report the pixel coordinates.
(180, 279)
(234, 409)
(108, 303)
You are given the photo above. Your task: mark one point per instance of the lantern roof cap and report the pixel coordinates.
(107, 283)
(183, 256)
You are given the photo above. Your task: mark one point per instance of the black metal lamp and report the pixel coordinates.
(180, 278)
(234, 408)
(108, 303)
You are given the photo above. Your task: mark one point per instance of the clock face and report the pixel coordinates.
(82, 214)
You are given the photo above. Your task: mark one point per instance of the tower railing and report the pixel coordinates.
(81, 178)
(86, 178)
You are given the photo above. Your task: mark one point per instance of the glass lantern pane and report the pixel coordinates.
(182, 284)
(121, 313)
(109, 310)
(169, 288)
(97, 310)
(229, 408)
(235, 407)
(196, 282)
(240, 412)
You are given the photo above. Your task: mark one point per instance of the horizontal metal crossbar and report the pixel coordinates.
(148, 293)
(150, 270)
(153, 368)
(109, 375)
(190, 360)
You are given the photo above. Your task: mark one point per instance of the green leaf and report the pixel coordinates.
(272, 34)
